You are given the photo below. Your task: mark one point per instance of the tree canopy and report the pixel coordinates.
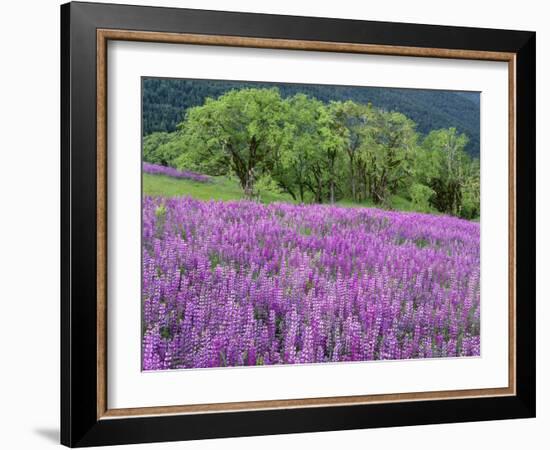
(321, 152)
(165, 102)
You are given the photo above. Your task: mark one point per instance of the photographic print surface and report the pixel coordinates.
(296, 224)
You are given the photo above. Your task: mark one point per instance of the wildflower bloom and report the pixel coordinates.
(241, 283)
(156, 169)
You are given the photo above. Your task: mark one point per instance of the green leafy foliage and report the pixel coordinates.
(266, 187)
(238, 133)
(420, 196)
(298, 167)
(455, 180)
(387, 153)
(158, 148)
(166, 100)
(309, 151)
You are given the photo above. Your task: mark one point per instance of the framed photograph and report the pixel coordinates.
(276, 224)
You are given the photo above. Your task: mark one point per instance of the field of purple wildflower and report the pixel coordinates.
(240, 283)
(156, 169)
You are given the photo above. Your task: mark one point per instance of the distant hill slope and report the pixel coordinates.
(165, 102)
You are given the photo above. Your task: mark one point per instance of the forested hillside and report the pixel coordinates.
(165, 102)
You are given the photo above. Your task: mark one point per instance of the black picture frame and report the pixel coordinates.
(80, 425)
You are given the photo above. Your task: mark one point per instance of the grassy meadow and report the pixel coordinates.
(224, 188)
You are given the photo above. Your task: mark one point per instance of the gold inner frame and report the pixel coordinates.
(103, 36)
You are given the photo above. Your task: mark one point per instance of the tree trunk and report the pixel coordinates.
(352, 174)
(353, 195)
(249, 185)
(331, 183)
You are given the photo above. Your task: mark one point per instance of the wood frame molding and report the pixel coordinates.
(86, 28)
(105, 35)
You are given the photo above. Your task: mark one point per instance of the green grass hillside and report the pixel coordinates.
(223, 188)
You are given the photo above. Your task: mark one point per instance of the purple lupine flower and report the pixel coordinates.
(241, 283)
(157, 169)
